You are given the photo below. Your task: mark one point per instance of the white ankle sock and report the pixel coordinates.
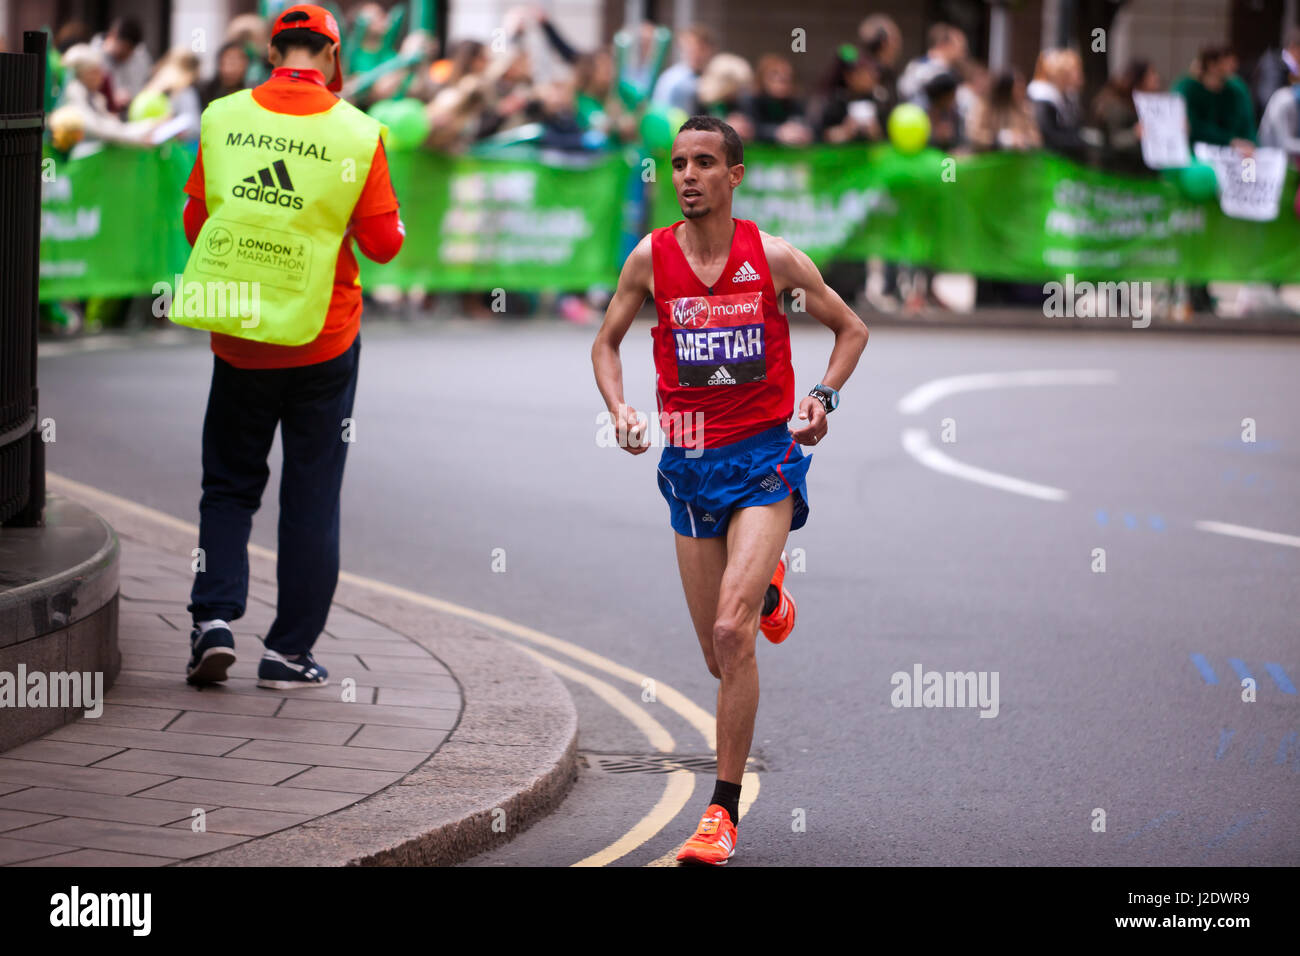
(205, 626)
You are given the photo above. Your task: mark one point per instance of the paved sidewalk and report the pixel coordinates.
(122, 789)
(126, 788)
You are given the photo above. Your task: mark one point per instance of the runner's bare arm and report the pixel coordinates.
(793, 270)
(635, 282)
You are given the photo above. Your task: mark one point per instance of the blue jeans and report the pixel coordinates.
(309, 404)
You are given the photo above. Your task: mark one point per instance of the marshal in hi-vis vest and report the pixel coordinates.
(280, 190)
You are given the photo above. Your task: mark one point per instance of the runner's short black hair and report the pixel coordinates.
(298, 37)
(734, 148)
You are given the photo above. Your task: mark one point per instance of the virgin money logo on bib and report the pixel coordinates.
(690, 312)
(718, 339)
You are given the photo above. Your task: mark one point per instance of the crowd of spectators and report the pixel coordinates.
(531, 77)
(531, 83)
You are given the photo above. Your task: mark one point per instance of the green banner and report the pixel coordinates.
(474, 223)
(1020, 216)
(1037, 217)
(111, 222)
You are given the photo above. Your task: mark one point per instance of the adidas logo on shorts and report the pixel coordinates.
(746, 273)
(721, 377)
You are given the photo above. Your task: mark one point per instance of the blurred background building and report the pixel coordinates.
(1167, 32)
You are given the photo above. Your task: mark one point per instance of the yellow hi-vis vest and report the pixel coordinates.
(280, 190)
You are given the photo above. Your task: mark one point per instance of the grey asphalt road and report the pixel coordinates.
(1120, 693)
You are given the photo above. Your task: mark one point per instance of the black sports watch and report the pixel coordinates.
(829, 398)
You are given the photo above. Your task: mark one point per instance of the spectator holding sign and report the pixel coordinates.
(1216, 111)
(1217, 114)
(1116, 117)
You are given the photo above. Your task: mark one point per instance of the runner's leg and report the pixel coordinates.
(755, 539)
(701, 562)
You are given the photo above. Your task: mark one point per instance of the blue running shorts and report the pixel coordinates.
(703, 491)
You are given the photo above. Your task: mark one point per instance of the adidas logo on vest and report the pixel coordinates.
(746, 273)
(263, 188)
(721, 377)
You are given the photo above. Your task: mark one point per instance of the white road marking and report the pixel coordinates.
(923, 396)
(1252, 534)
(916, 441)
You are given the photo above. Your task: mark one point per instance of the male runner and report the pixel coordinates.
(732, 473)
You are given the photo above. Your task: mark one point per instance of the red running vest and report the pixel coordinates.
(722, 354)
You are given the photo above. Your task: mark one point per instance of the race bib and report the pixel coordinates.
(718, 339)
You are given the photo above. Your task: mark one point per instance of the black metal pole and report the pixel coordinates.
(34, 42)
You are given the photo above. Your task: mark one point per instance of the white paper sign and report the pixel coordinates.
(1164, 129)
(169, 128)
(1249, 186)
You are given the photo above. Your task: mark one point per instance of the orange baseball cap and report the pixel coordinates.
(317, 20)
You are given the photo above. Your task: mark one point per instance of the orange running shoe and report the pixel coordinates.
(777, 626)
(714, 841)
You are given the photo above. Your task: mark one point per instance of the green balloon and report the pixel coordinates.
(909, 128)
(148, 105)
(659, 126)
(407, 122)
(1198, 181)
